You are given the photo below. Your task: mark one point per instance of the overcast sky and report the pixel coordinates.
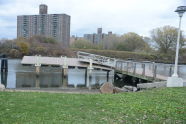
(118, 16)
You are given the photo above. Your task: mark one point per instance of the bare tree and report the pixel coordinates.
(110, 41)
(166, 38)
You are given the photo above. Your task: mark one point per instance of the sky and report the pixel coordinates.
(118, 16)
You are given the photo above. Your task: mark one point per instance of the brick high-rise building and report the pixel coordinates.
(56, 26)
(97, 38)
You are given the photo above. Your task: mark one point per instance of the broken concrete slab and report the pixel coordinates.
(151, 85)
(119, 90)
(130, 88)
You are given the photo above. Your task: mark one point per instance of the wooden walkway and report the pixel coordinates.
(144, 70)
(62, 61)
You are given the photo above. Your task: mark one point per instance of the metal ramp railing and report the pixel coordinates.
(103, 60)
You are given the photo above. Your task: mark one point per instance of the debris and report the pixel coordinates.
(107, 88)
(2, 87)
(130, 88)
(151, 85)
(119, 90)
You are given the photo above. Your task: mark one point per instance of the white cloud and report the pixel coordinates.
(119, 16)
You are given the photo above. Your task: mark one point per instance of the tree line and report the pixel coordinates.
(162, 43)
(163, 40)
(37, 45)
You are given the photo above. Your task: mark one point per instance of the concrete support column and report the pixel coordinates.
(89, 74)
(4, 64)
(89, 81)
(65, 77)
(65, 73)
(37, 77)
(4, 70)
(4, 76)
(38, 66)
(86, 70)
(108, 76)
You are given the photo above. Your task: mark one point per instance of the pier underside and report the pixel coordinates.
(127, 78)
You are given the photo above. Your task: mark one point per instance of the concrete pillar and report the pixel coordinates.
(86, 77)
(89, 74)
(89, 78)
(37, 70)
(4, 65)
(65, 73)
(108, 76)
(4, 70)
(38, 66)
(65, 77)
(37, 77)
(4, 76)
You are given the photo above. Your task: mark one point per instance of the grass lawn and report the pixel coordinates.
(167, 105)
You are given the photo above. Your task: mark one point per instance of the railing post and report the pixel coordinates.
(154, 71)
(134, 72)
(115, 62)
(121, 66)
(127, 66)
(143, 66)
(118, 65)
(78, 54)
(115, 65)
(178, 70)
(170, 70)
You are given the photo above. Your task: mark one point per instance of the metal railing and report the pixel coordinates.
(97, 58)
(150, 69)
(144, 68)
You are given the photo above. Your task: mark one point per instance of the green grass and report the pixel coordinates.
(167, 105)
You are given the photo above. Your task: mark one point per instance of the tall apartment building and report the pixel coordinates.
(90, 37)
(56, 26)
(96, 38)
